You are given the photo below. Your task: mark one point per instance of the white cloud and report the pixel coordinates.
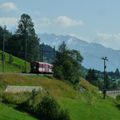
(74, 35)
(8, 21)
(104, 36)
(109, 40)
(43, 22)
(60, 21)
(9, 6)
(65, 21)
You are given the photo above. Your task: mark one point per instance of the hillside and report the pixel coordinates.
(13, 64)
(85, 103)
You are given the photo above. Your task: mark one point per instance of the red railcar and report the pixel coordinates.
(41, 67)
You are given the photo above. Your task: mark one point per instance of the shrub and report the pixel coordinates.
(118, 98)
(49, 109)
(37, 104)
(31, 103)
(11, 59)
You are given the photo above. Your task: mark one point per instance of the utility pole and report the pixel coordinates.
(104, 88)
(25, 54)
(3, 50)
(54, 52)
(41, 52)
(26, 37)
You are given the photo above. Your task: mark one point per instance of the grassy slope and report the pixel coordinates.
(8, 113)
(16, 66)
(103, 110)
(55, 87)
(85, 105)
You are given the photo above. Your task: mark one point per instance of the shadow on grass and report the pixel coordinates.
(118, 106)
(23, 108)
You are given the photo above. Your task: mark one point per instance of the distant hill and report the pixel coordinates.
(91, 52)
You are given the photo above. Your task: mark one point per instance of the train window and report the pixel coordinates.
(34, 67)
(41, 65)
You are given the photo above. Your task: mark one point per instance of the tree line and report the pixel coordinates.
(24, 43)
(112, 79)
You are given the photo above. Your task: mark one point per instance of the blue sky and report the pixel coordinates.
(91, 20)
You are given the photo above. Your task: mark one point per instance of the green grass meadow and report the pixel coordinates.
(8, 113)
(87, 104)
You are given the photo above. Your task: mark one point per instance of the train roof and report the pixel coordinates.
(42, 62)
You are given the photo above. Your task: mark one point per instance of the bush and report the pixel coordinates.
(58, 72)
(37, 104)
(118, 98)
(49, 109)
(30, 105)
(11, 59)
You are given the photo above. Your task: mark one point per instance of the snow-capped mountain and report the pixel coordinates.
(91, 52)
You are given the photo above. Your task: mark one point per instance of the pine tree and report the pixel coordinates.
(117, 73)
(92, 77)
(28, 39)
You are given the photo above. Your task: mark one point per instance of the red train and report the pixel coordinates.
(41, 67)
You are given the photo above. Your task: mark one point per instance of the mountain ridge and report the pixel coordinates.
(91, 52)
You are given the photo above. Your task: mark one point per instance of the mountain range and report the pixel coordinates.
(91, 52)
